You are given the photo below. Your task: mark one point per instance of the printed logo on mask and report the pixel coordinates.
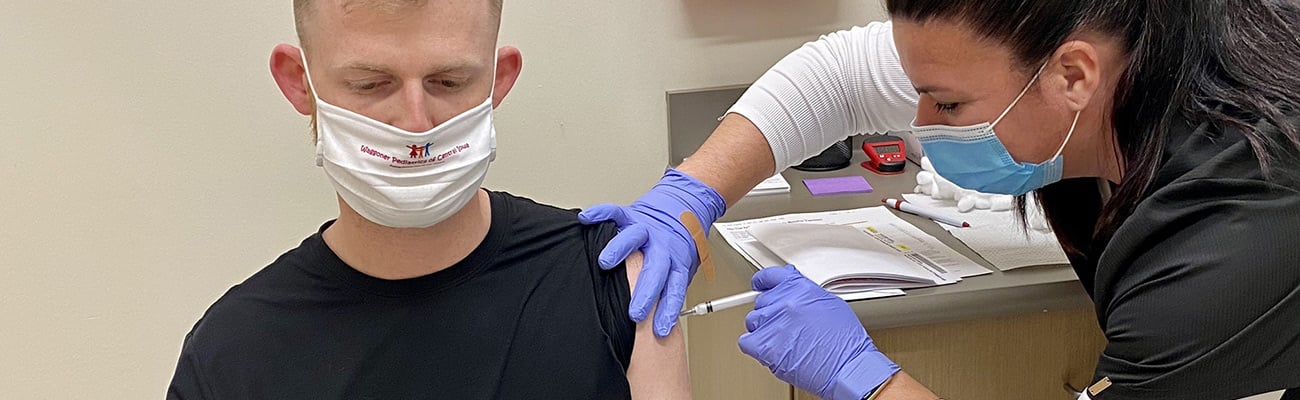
(417, 156)
(418, 151)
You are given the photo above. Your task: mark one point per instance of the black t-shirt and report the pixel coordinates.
(1198, 291)
(529, 314)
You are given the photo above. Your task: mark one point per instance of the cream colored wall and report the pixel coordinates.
(147, 162)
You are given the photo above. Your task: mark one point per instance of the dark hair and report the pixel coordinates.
(1231, 64)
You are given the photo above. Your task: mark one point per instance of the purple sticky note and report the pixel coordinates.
(837, 185)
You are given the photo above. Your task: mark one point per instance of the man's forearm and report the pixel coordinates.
(734, 159)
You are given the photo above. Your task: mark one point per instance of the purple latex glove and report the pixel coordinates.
(651, 225)
(811, 339)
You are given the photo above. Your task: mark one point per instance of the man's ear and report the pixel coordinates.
(509, 63)
(1081, 70)
(290, 75)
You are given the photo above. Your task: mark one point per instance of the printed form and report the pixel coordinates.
(997, 237)
(878, 223)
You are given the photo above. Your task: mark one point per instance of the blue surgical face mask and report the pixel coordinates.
(973, 158)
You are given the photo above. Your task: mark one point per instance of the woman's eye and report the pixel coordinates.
(946, 107)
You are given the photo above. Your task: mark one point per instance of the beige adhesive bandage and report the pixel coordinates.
(692, 224)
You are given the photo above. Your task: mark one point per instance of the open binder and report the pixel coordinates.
(844, 259)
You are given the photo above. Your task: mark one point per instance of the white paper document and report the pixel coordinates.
(774, 185)
(877, 223)
(998, 237)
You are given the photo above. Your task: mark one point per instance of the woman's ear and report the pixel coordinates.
(1079, 70)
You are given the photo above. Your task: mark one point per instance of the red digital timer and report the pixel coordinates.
(885, 154)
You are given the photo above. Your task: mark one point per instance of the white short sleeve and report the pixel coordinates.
(845, 83)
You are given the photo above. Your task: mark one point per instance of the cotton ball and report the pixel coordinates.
(1000, 203)
(948, 190)
(924, 177)
(966, 192)
(983, 202)
(945, 192)
(922, 189)
(944, 189)
(935, 192)
(926, 164)
(965, 204)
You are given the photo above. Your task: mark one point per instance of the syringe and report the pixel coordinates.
(720, 304)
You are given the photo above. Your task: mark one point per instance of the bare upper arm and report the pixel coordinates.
(658, 369)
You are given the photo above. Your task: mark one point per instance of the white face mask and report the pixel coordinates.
(402, 179)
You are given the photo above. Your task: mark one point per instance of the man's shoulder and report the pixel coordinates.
(223, 331)
(257, 328)
(232, 321)
(529, 215)
(529, 208)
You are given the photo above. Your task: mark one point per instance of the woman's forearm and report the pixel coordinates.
(734, 159)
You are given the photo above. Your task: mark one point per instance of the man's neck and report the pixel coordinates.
(403, 253)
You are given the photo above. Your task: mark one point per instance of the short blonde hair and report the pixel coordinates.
(304, 8)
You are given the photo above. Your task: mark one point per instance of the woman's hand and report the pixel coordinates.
(653, 225)
(811, 339)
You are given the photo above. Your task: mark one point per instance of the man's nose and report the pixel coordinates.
(414, 113)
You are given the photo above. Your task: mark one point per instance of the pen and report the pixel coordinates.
(720, 304)
(904, 206)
